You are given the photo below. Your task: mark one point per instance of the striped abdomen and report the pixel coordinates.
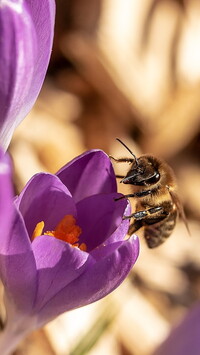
(156, 234)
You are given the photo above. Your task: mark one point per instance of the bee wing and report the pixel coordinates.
(179, 207)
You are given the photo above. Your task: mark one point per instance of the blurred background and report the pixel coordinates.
(127, 69)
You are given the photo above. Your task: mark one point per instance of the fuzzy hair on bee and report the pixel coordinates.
(154, 187)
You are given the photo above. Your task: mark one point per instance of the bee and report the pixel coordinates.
(155, 190)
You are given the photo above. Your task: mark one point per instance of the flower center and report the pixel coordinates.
(67, 230)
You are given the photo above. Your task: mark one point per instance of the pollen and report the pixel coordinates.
(67, 230)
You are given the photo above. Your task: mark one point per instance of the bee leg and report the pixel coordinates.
(124, 196)
(134, 227)
(154, 212)
(146, 217)
(122, 160)
(136, 194)
(119, 176)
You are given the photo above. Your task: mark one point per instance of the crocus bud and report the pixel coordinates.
(26, 35)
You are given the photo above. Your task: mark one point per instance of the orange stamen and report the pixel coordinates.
(83, 247)
(66, 230)
(38, 230)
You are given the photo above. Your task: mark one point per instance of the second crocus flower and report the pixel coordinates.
(26, 36)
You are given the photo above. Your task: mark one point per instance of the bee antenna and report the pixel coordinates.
(119, 140)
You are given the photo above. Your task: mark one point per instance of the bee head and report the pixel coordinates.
(143, 172)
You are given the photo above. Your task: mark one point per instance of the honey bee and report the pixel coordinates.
(157, 201)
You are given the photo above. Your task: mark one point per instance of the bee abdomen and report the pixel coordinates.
(157, 234)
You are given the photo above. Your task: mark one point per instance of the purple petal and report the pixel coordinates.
(6, 195)
(89, 174)
(99, 216)
(26, 29)
(43, 19)
(184, 339)
(122, 229)
(58, 264)
(97, 281)
(17, 266)
(46, 199)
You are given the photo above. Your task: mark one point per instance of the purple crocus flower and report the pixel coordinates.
(26, 35)
(6, 194)
(67, 246)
